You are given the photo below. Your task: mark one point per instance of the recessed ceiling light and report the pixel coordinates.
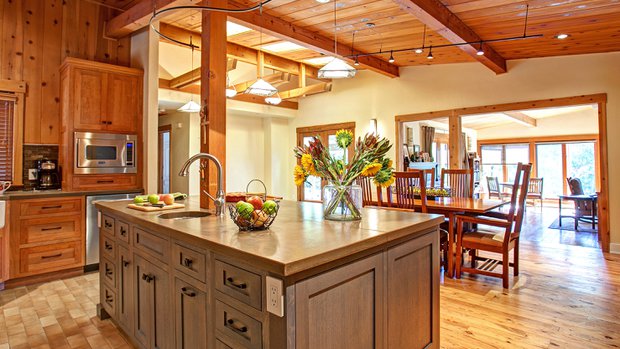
(283, 46)
(322, 1)
(562, 36)
(370, 25)
(234, 29)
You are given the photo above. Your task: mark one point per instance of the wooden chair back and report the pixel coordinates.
(583, 208)
(430, 176)
(493, 186)
(575, 186)
(403, 189)
(536, 187)
(460, 182)
(517, 199)
(367, 189)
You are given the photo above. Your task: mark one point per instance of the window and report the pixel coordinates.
(11, 132)
(500, 160)
(7, 115)
(557, 161)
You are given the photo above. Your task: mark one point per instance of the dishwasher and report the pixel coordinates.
(93, 219)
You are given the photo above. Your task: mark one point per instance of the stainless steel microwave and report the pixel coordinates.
(104, 153)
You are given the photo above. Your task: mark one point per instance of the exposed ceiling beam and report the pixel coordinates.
(138, 16)
(195, 89)
(274, 79)
(194, 75)
(521, 118)
(277, 27)
(441, 20)
(306, 91)
(241, 53)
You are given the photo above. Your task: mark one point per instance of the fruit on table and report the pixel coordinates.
(256, 201)
(259, 218)
(270, 207)
(153, 199)
(138, 200)
(167, 199)
(245, 209)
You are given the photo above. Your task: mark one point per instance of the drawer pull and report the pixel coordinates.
(123, 231)
(52, 256)
(232, 325)
(48, 229)
(148, 277)
(108, 271)
(107, 224)
(187, 263)
(108, 246)
(188, 292)
(125, 263)
(241, 286)
(51, 207)
(102, 181)
(109, 299)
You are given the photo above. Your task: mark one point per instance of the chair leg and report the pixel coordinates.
(459, 259)
(516, 257)
(473, 254)
(505, 267)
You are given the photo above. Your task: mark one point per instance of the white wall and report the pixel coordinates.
(575, 123)
(245, 151)
(429, 88)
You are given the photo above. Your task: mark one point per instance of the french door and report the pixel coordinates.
(312, 189)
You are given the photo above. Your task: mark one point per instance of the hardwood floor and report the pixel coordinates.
(567, 296)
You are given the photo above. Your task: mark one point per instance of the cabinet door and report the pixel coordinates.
(89, 104)
(413, 293)
(123, 104)
(342, 308)
(125, 295)
(153, 305)
(191, 315)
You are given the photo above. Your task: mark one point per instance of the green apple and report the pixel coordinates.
(245, 210)
(270, 207)
(154, 199)
(138, 200)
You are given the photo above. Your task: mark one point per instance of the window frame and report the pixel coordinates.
(16, 91)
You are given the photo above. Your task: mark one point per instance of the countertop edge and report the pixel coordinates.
(23, 195)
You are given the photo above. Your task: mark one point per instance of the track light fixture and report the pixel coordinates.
(357, 62)
(419, 50)
(480, 51)
(430, 53)
(391, 60)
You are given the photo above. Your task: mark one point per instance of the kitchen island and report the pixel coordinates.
(304, 283)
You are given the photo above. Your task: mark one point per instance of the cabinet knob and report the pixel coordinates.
(123, 231)
(125, 263)
(107, 224)
(108, 246)
(148, 277)
(236, 326)
(239, 285)
(188, 292)
(187, 262)
(109, 299)
(108, 271)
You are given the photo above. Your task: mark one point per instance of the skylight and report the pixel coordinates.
(319, 60)
(234, 29)
(282, 46)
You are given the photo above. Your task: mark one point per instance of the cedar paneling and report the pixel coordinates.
(36, 36)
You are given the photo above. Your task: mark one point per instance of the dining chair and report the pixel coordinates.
(459, 181)
(430, 176)
(498, 233)
(367, 189)
(535, 191)
(583, 208)
(494, 188)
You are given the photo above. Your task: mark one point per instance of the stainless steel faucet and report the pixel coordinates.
(220, 197)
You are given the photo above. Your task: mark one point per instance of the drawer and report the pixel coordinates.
(107, 224)
(108, 300)
(107, 271)
(190, 262)
(238, 283)
(52, 257)
(152, 244)
(50, 229)
(104, 182)
(220, 345)
(238, 326)
(50, 206)
(108, 247)
(122, 231)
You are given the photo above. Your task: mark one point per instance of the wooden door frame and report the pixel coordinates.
(320, 129)
(160, 130)
(599, 99)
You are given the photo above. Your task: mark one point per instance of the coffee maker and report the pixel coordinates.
(48, 176)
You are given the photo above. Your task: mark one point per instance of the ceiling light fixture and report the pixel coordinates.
(480, 51)
(419, 50)
(357, 62)
(261, 87)
(322, 1)
(231, 91)
(391, 60)
(562, 36)
(274, 100)
(430, 53)
(191, 106)
(336, 69)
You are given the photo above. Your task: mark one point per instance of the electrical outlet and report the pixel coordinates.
(32, 174)
(275, 296)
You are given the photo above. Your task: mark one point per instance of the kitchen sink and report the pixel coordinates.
(185, 215)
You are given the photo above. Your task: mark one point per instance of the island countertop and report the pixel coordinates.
(299, 239)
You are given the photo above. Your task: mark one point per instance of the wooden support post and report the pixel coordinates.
(454, 142)
(212, 95)
(302, 75)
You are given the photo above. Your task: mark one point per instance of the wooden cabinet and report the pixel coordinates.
(153, 325)
(190, 300)
(47, 235)
(125, 289)
(99, 97)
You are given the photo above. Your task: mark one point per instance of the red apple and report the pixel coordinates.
(168, 199)
(256, 201)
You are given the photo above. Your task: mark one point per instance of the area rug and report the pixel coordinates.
(568, 224)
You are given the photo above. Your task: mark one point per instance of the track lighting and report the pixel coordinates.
(562, 36)
(357, 62)
(322, 1)
(419, 50)
(391, 60)
(430, 53)
(480, 51)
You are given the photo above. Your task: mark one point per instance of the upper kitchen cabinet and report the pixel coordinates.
(101, 97)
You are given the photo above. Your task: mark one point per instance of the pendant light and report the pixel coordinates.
(336, 68)
(261, 87)
(231, 91)
(274, 100)
(191, 106)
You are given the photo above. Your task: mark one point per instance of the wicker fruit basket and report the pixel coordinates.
(258, 214)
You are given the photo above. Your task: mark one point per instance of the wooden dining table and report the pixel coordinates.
(453, 206)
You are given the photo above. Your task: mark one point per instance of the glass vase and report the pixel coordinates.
(342, 203)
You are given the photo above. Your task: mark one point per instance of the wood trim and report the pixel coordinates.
(160, 130)
(13, 86)
(521, 118)
(98, 66)
(327, 127)
(564, 171)
(14, 93)
(603, 199)
(540, 139)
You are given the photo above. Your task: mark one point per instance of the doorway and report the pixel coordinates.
(164, 141)
(312, 189)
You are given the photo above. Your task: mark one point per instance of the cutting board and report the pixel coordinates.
(155, 209)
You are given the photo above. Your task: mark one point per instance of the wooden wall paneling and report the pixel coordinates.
(33, 15)
(69, 42)
(50, 75)
(12, 44)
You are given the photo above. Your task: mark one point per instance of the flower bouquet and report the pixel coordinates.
(342, 197)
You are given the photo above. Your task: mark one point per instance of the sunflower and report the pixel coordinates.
(384, 178)
(371, 169)
(344, 138)
(389, 164)
(300, 175)
(307, 163)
